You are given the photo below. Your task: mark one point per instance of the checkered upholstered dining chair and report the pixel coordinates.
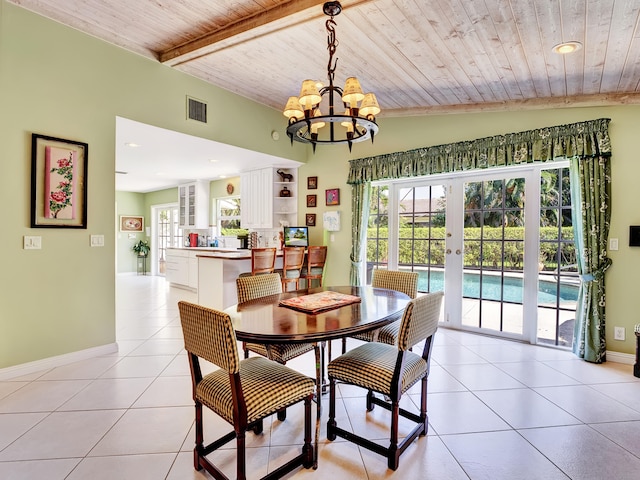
(251, 288)
(390, 371)
(242, 392)
(405, 282)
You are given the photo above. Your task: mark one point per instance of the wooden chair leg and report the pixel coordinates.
(258, 428)
(199, 438)
(370, 404)
(241, 461)
(393, 458)
(331, 424)
(423, 405)
(307, 447)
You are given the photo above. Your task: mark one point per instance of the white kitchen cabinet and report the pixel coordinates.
(193, 270)
(193, 204)
(262, 205)
(177, 266)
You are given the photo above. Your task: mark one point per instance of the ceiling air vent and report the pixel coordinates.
(196, 110)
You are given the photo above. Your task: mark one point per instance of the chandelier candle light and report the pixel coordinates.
(358, 122)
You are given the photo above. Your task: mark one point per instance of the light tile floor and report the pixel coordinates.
(497, 410)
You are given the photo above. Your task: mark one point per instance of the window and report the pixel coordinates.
(229, 216)
(378, 229)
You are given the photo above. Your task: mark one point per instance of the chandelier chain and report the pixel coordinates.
(332, 46)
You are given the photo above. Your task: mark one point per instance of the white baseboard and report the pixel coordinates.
(57, 361)
(617, 357)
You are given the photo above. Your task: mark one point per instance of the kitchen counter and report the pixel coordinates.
(216, 252)
(217, 273)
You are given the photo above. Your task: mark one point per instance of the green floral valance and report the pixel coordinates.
(584, 139)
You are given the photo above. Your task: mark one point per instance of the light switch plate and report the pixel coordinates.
(613, 244)
(97, 240)
(31, 242)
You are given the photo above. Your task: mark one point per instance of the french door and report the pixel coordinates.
(478, 237)
(165, 233)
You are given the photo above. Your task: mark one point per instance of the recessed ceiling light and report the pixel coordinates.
(214, 160)
(223, 176)
(132, 145)
(567, 47)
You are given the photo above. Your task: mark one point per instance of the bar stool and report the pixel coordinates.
(316, 258)
(292, 260)
(263, 260)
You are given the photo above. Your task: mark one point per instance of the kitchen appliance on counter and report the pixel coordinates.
(193, 239)
(253, 240)
(244, 242)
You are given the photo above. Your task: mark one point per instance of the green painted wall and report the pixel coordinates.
(129, 203)
(59, 82)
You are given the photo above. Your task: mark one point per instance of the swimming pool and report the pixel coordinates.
(491, 287)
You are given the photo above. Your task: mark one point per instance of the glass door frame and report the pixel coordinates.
(155, 209)
(454, 185)
(531, 248)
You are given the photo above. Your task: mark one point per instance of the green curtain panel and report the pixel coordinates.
(588, 146)
(591, 212)
(360, 195)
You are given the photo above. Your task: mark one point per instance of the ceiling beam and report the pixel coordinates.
(286, 13)
(598, 100)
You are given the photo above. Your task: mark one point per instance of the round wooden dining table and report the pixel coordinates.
(266, 320)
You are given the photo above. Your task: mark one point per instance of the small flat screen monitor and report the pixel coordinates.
(296, 236)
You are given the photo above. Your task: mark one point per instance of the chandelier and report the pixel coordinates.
(307, 124)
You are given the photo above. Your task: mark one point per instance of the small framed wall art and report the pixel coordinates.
(311, 219)
(332, 196)
(312, 200)
(58, 182)
(312, 183)
(131, 223)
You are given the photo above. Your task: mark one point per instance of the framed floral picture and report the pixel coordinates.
(332, 196)
(312, 200)
(312, 183)
(58, 182)
(311, 219)
(131, 223)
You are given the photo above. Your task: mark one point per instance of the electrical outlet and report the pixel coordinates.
(618, 333)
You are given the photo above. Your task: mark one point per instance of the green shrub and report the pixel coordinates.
(414, 246)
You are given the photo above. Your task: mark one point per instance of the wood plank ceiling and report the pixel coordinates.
(418, 56)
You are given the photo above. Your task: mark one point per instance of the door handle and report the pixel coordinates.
(458, 252)
(448, 251)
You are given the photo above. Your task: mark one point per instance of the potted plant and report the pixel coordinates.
(141, 248)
